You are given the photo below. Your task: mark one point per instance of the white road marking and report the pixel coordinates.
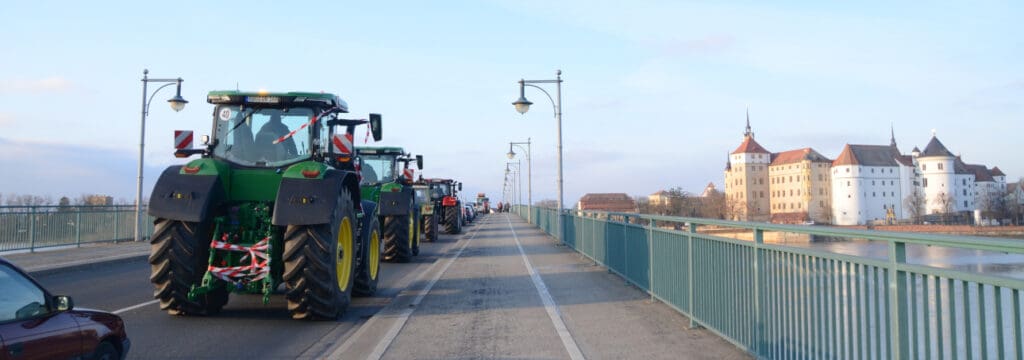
(133, 307)
(549, 302)
(403, 317)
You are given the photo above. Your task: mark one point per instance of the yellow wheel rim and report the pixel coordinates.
(343, 267)
(374, 253)
(412, 229)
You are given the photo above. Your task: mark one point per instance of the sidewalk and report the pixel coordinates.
(45, 261)
(506, 290)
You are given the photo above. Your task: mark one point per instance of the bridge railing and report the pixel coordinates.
(34, 227)
(785, 301)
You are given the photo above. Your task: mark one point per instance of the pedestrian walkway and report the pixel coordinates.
(507, 290)
(65, 258)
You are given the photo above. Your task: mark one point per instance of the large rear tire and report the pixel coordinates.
(398, 233)
(417, 227)
(369, 272)
(319, 264)
(178, 259)
(430, 228)
(451, 220)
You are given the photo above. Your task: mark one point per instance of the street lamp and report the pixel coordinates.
(177, 103)
(517, 178)
(522, 106)
(529, 174)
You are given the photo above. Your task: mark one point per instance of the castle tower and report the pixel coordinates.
(746, 179)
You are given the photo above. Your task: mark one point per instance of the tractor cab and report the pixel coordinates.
(379, 165)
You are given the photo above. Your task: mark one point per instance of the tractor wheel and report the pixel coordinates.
(417, 232)
(178, 254)
(451, 220)
(430, 228)
(398, 232)
(369, 272)
(319, 264)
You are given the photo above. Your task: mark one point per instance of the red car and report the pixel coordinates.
(37, 325)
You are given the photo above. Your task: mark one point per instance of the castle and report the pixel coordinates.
(864, 184)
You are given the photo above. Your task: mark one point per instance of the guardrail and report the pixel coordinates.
(34, 227)
(777, 301)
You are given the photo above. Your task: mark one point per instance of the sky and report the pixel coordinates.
(654, 94)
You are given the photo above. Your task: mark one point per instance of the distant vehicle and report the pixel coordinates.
(37, 325)
(469, 213)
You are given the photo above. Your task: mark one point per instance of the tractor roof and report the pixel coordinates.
(383, 150)
(275, 98)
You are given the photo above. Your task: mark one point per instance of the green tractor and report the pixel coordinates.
(390, 185)
(429, 221)
(274, 199)
(447, 206)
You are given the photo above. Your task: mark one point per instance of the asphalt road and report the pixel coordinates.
(244, 329)
(502, 289)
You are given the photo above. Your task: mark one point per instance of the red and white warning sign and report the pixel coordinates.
(182, 139)
(342, 143)
(408, 174)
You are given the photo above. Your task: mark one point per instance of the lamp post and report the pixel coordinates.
(517, 178)
(522, 106)
(177, 103)
(529, 175)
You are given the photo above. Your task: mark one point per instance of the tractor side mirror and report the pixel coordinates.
(460, 186)
(375, 127)
(419, 162)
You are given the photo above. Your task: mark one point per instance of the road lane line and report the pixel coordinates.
(133, 307)
(403, 317)
(549, 303)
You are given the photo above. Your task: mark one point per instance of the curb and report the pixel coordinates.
(85, 264)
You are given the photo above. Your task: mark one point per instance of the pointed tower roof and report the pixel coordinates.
(892, 136)
(935, 148)
(749, 146)
(997, 172)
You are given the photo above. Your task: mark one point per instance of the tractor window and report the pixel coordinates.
(378, 168)
(262, 136)
(422, 195)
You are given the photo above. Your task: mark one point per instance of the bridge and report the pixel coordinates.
(613, 286)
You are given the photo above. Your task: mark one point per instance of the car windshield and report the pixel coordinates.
(21, 299)
(378, 168)
(422, 195)
(261, 137)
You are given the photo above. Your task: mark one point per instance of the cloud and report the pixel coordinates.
(44, 85)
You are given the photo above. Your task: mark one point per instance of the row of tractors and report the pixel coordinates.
(280, 200)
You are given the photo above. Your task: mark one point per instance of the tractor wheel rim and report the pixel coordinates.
(374, 253)
(343, 264)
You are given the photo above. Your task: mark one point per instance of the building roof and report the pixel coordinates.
(867, 155)
(935, 148)
(905, 160)
(981, 173)
(959, 167)
(708, 190)
(749, 146)
(997, 172)
(660, 193)
(615, 202)
(798, 155)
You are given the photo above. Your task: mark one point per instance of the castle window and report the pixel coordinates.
(847, 183)
(872, 182)
(965, 203)
(892, 193)
(872, 194)
(847, 169)
(940, 166)
(965, 191)
(924, 167)
(872, 170)
(924, 182)
(965, 181)
(883, 194)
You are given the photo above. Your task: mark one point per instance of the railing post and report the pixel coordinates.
(758, 297)
(899, 348)
(78, 227)
(650, 256)
(689, 264)
(117, 224)
(32, 229)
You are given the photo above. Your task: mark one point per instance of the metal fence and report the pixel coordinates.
(785, 302)
(33, 227)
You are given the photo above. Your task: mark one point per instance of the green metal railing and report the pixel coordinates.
(34, 227)
(784, 302)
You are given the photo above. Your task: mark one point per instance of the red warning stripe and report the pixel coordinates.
(182, 139)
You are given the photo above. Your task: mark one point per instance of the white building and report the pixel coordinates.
(867, 184)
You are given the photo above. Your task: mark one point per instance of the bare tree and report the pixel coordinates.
(713, 206)
(947, 204)
(915, 204)
(548, 203)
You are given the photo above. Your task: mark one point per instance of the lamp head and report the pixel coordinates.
(177, 102)
(522, 105)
